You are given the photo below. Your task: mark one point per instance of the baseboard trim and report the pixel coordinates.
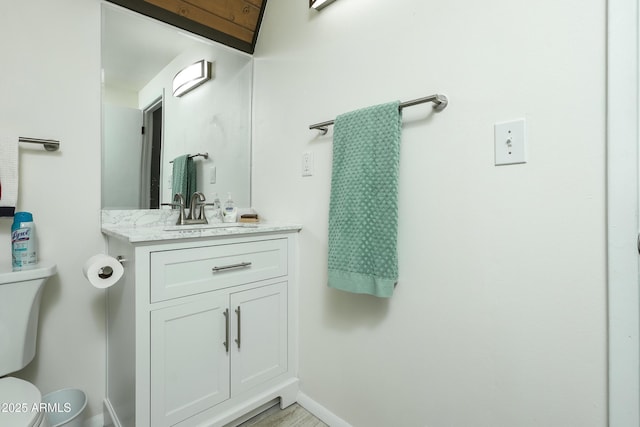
(320, 411)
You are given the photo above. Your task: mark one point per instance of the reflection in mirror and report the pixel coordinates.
(145, 127)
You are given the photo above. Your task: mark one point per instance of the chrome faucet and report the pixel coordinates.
(178, 202)
(197, 200)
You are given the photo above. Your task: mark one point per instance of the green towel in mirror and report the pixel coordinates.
(184, 176)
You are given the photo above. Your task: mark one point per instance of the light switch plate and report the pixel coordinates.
(510, 143)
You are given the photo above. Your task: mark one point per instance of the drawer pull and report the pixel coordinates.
(231, 266)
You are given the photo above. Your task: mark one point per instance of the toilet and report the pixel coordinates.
(20, 293)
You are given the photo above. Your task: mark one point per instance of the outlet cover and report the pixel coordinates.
(510, 143)
(307, 163)
(212, 175)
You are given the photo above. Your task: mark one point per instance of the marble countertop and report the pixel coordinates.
(176, 232)
(144, 225)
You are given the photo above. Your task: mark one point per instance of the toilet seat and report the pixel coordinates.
(17, 399)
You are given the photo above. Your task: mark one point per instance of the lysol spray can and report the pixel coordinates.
(23, 241)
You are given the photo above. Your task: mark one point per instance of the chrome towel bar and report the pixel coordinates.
(439, 100)
(49, 144)
(191, 156)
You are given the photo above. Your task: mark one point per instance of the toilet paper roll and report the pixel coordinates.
(102, 271)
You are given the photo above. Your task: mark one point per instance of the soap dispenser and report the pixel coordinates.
(230, 212)
(214, 214)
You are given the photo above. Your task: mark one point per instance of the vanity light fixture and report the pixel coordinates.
(319, 4)
(191, 77)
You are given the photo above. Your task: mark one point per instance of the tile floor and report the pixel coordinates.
(293, 416)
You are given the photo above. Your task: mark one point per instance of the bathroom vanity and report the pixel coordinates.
(202, 327)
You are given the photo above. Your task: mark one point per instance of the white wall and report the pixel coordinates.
(499, 316)
(622, 212)
(50, 85)
(121, 157)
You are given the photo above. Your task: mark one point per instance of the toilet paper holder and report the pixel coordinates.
(106, 271)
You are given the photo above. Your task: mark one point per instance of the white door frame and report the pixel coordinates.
(622, 211)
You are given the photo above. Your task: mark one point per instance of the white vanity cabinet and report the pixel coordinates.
(206, 351)
(201, 331)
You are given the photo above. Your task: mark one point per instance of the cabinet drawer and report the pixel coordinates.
(183, 272)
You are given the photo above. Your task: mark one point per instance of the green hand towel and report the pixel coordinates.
(363, 208)
(184, 176)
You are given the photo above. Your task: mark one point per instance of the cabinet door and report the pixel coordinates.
(189, 359)
(259, 336)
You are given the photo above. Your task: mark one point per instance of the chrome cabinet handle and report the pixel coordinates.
(226, 330)
(229, 267)
(239, 327)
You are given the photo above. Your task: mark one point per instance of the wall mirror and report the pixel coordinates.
(144, 126)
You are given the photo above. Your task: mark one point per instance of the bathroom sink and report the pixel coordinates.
(198, 227)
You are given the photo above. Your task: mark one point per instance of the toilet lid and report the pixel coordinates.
(19, 402)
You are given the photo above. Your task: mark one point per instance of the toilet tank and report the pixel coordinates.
(20, 293)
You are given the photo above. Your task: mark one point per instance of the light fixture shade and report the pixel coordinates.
(319, 4)
(191, 77)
